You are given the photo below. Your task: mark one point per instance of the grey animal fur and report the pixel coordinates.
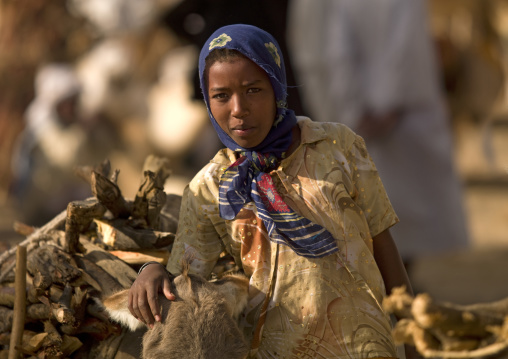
(200, 324)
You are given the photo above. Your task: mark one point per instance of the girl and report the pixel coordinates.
(298, 204)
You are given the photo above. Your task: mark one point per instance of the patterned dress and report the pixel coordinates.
(299, 307)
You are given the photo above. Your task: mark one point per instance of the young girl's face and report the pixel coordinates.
(242, 100)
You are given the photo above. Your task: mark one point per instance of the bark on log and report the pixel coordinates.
(109, 195)
(62, 310)
(122, 272)
(52, 343)
(35, 343)
(53, 262)
(37, 312)
(55, 223)
(149, 201)
(117, 234)
(80, 215)
(7, 315)
(106, 282)
(78, 304)
(7, 295)
(85, 172)
(69, 345)
(398, 303)
(448, 330)
(449, 320)
(41, 280)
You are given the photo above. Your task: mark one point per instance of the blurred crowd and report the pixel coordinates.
(86, 80)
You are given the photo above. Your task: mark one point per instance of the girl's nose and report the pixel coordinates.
(240, 107)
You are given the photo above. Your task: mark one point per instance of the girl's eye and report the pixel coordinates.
(253, 90)
(220, 96)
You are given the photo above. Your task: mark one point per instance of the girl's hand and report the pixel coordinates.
(144, 293)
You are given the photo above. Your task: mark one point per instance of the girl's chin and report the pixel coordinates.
(245, 143)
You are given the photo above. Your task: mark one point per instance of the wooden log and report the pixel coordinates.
(7, 295)
(41, 280)
(450, 320)
(399, 303)
(51, 261)
(118, 235)
(77, 307)
(149, 201)
(143, 255)
(497, 309)
(159, 165)
(35, 343)
(106, 282)
(86, 279)
(37, 235)
(7, 315)
(54, 313)
(80, 215)
(18, 324)
(37, 312)
(53, 338)
(85, 172)
(109, 195)
(69, 345)
(406, 331)
(78, 304)
(62, 310)
(5, 338)
(116, 268)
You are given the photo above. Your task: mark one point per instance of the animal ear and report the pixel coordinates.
(116, 306)
(185, 267)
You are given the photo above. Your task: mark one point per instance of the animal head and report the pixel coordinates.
(201, 321)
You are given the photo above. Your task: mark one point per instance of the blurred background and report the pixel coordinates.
(86, 80)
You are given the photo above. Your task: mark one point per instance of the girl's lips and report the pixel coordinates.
(242, 131)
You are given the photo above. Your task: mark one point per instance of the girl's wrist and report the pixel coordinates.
(146, 265)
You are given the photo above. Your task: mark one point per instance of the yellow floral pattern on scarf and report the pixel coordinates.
(220, 41)
(273, 50)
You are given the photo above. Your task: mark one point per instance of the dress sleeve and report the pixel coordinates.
(196, 239)
(370, 195)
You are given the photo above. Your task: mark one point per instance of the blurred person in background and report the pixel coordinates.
(56, 138)
(371, 65)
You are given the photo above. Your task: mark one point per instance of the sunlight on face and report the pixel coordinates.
(242, 100)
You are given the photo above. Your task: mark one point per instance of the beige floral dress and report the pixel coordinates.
(298, 307)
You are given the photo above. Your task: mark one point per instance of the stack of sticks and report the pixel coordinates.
(448, 330)
(50, 283)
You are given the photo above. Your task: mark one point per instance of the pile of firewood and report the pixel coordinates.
(90, 250)
(447, 330)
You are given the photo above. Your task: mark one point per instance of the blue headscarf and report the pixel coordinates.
(261, 48)
(248, 179)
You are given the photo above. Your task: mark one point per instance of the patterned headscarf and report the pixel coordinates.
(248, 179)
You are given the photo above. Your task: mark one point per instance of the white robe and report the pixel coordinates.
(353, 56)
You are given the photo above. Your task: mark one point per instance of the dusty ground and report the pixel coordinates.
(472, 276)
